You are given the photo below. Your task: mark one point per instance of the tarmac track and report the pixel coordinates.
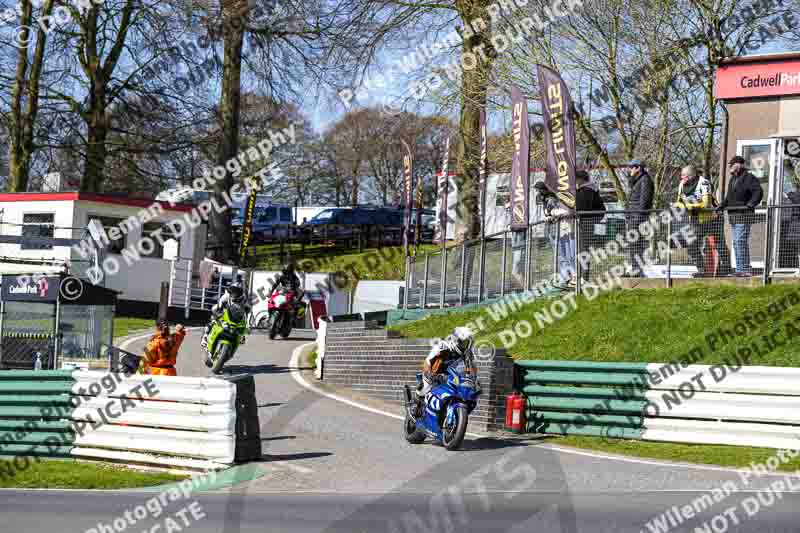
(332, 467)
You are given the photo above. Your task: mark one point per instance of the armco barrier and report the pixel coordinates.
(711, 404)
(188, 423)
(35, 413)
(377, 363)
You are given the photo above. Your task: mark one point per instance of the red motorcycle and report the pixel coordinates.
(283, 307)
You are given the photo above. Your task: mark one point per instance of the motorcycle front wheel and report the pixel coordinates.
(275, 327)
(412, 434)
(286, 330)
(221, 357)
(453, 437)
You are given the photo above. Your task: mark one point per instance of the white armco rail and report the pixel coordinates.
(735, 405)
(187, 423)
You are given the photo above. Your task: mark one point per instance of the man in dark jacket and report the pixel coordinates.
(640, 200)
(743, 196)
(587, 199)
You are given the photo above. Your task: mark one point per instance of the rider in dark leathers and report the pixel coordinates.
(288, 279)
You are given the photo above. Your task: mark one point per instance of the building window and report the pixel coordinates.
(166, 233)
(37, 225)
(115, 246)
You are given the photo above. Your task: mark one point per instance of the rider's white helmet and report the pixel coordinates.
(462, 339)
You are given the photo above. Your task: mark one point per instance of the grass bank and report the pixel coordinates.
(656, 326)
(124, 326)
(387, 263)
(71, 474)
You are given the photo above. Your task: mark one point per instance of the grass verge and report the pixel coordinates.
(124, 326)
(71, 474)
(731, 456)
(388, 263)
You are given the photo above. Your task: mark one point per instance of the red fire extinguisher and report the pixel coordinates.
(515, 412)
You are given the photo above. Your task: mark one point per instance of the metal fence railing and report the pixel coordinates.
(600, 247)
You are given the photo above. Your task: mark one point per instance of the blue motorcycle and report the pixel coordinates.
(445, 412)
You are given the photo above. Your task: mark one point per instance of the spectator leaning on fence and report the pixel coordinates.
(560, 235)
(743, 196)
(640, 200)
(587, 199)
(696, 195)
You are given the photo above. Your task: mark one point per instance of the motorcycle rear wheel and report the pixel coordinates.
(220, 358)
(454, 437)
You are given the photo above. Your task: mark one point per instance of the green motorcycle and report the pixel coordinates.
(227, 333)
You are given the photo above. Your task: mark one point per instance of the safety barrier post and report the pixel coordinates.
(556, 271)
(443, 283)
(768, 245)
(424, 301)
(578, 244)
(528, 241)
(503, 265)
(669, 251)
(188, 295)
(408, 277)
(482, 271)
(171, 280)
(463, 273)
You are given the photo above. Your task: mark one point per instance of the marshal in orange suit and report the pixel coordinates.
(161, 352)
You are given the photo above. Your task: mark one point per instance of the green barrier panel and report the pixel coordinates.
(585, 419)
(589, 378)
(590, 431)
(584, 392)
(35, 387)
(36, 437)
(42, 400)
(27, 412)
(538, 403)
(43, 425)
(590, 366)
(41, 450)
(399, 317)
(33, 376)
(26, 396)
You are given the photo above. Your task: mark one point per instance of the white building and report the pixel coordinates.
(66, 215)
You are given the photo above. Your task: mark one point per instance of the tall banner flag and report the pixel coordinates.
(520, 172)
(247, 225)
(408, 179)
(483, 171)
(559, 135)
(443, 190)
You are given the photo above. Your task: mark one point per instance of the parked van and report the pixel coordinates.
(359, 216)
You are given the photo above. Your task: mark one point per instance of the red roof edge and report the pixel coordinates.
(91, 197)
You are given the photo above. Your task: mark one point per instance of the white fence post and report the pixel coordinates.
(188, 299)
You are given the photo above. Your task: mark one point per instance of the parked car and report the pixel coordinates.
(269, 222)
(359, 216)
